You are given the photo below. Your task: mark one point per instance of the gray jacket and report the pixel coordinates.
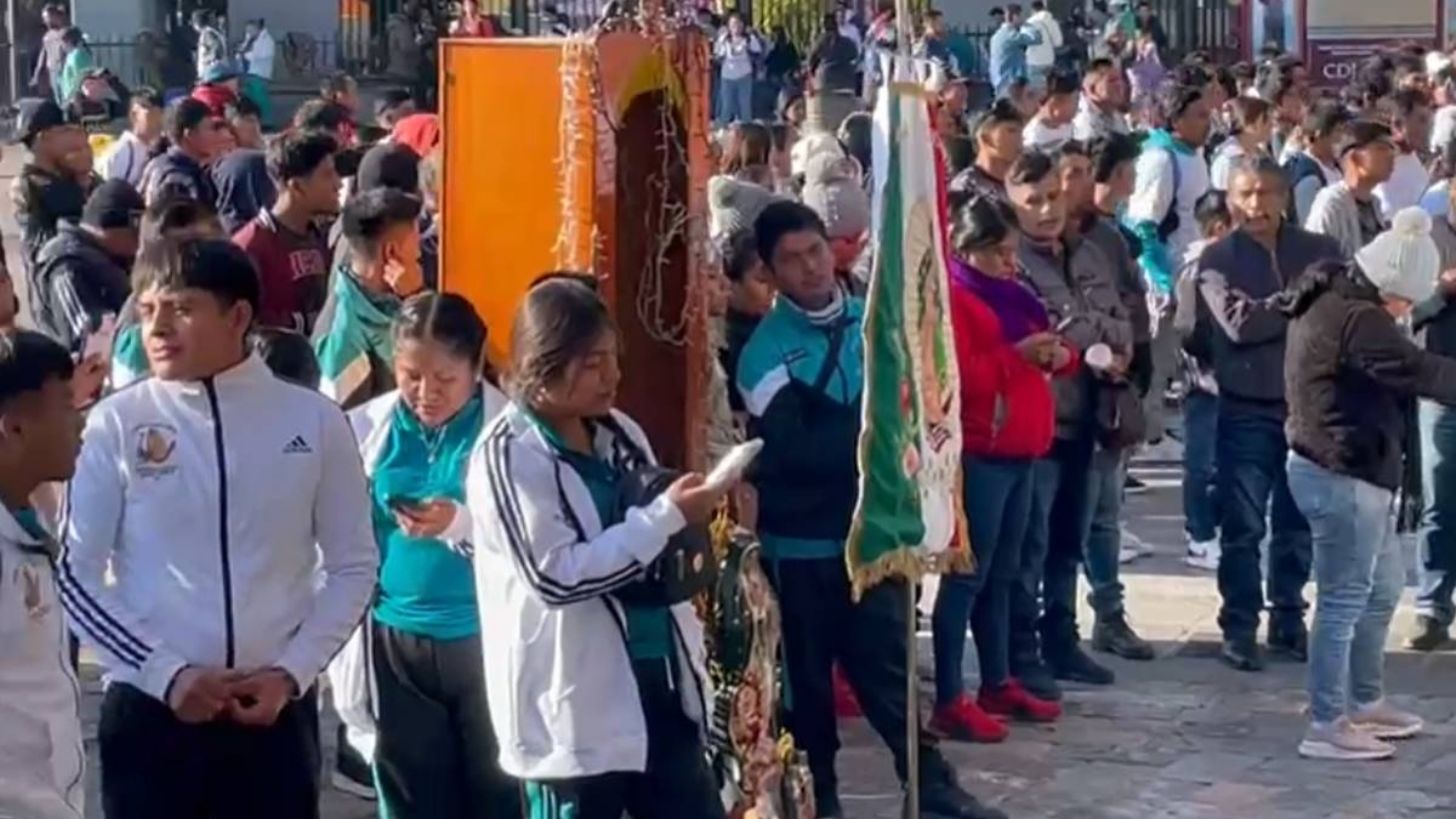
(1239, 326)
(1075, 283)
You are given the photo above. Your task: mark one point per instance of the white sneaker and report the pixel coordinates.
(1342, 740)
(1382, 720)
(1135, 544)
(1127, 554)
(1202, 554)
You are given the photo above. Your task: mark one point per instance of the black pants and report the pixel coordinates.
(153, 765)
(436, 755)
(1063, 478)
(821, 625)
(676, 785)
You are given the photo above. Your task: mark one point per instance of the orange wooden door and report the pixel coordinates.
(501, 199)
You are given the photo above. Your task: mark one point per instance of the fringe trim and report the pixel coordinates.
(907, 562)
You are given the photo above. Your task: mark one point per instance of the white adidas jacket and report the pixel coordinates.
(42, 758)
(233, 515)
(563, 697)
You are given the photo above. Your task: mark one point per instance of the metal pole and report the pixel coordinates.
(905, 31)
(912, 707)
(13, 56)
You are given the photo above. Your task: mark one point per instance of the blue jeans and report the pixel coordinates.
(1061, 487)
(1102, 532)
(1358, 579)
(1252, 485)
(998, 507)
(1438, 527)
(735, 100)
(1200, 495)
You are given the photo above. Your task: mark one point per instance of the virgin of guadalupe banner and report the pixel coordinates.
(908, 518)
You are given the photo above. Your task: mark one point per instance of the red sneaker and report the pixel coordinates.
(1011, 700)
(845, 704)
(962, 719)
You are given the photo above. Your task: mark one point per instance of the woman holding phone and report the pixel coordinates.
(600, 705)
(1006, 352)
(435, 753)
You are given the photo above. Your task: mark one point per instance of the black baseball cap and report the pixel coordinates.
(114, 204)
(34, 115)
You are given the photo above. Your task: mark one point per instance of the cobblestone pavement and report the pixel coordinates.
(1181, 737)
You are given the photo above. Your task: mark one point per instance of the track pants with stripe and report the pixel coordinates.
(436, 755)
(154, 765)
(676, 785)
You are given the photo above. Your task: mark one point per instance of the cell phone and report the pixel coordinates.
(730, 469)
(403, 502)
(100, 342)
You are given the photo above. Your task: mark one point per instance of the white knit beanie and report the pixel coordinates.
(1403, 261)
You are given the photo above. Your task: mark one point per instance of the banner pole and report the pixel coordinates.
(906, 32)
(912, 705)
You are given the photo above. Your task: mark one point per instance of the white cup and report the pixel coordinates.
(1098, 356)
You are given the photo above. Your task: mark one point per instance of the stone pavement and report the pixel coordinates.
(1181, 737)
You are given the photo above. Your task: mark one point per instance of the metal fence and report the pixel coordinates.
(149, 60)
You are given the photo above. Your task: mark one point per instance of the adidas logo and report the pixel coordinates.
(297, 446)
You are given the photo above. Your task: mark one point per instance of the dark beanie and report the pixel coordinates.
(389, 165)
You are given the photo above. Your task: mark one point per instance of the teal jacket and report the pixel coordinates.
(805, 406)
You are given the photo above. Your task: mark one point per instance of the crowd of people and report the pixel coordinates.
(461, 553)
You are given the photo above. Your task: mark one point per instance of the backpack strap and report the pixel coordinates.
(831, 356)
(1169, 222)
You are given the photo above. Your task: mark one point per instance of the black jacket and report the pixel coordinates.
(1350, 374)
(78, 283)
(243, 187)
(42, 200)
(177, 174)
(1240, 327)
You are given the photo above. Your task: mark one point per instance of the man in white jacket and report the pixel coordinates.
(229, 509)
(42, 758)
(1042, 56)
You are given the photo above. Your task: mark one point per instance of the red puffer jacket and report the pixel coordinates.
(1007, 409)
